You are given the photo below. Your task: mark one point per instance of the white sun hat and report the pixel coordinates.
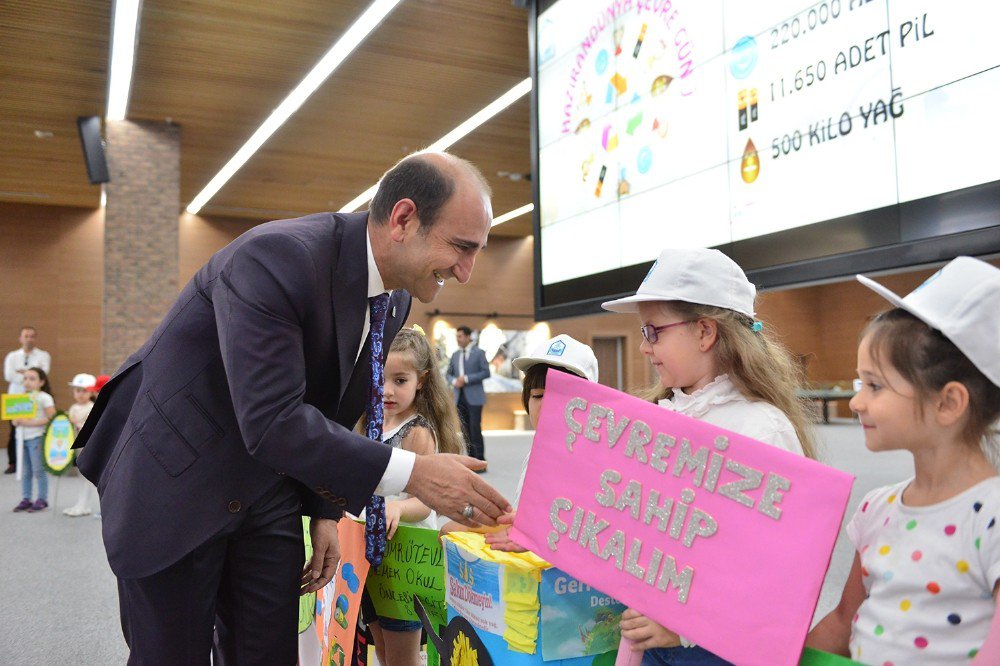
(693, 275)
(564, 352)
(962, 300)
(83, 380)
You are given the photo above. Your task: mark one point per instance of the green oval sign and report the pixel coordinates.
(57, 450)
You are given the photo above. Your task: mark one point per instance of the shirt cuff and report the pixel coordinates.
(397, 473)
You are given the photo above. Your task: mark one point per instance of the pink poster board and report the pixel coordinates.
(721, 538)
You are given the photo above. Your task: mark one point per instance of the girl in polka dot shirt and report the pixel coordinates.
(924, 583)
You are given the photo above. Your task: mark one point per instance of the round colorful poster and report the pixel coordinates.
(57, 450)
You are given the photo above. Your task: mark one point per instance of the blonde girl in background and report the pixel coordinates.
(924, 585)
(419, 416)
(32, 432)
(714, 362)
(83, 401)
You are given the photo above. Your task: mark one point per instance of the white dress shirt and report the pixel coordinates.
(19, 360)
(462, 353)
(397, 472)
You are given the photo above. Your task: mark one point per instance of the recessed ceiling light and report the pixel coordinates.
(452, 137)
(517, 212)
(124, 35)
(337, 54)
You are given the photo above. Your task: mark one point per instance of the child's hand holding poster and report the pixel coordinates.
(720, 538)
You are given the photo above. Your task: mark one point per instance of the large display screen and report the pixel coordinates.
(782, 132)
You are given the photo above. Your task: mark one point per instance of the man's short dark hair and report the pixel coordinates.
(464, 329)
(28, 328)
(416, 178)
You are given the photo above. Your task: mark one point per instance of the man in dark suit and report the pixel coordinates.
(466, 371)
(235, 418)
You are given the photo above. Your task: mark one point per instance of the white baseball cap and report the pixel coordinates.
(564, 352)
(83, 380)
(693, 275)
(962, 300)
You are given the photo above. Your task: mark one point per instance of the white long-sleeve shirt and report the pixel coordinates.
(19, 360)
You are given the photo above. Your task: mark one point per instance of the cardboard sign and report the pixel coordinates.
(497, 609)
(338, 604)
(722, 539)
(57, 447)
(16, 406)
(577, 620)
(413, 567)
(474, 589)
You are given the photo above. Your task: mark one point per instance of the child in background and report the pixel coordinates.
(923, 588)
(32, 431)
(714, 363)
(561, 353)
(83, 402)
(419, 416)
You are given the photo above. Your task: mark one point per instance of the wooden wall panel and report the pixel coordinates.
(51, 268)
(200, 237)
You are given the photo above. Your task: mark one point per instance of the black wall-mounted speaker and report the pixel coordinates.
(93, 149)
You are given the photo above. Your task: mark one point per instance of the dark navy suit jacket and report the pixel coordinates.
(477, 369)
(251, 376)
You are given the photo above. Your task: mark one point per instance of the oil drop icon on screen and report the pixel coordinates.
(750, 166)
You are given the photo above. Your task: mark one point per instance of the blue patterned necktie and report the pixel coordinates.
(375, 511)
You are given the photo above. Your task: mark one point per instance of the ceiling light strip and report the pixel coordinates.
(339, 52)
(124, 34)
(452, 137)
(517, 212)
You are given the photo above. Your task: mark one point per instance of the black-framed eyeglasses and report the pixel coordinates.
(651, 333)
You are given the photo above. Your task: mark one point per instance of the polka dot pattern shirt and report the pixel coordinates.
(929, 572)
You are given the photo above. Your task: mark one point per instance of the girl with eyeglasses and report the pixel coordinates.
(715, 363)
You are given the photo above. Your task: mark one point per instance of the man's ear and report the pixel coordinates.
(403, 220)
(951, 403)
(708, 333)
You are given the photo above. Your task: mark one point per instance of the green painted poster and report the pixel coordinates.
(57, 449)
(16, 406)
(811, 657)
(413, 565)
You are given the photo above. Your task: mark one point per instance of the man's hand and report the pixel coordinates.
(444, 482)
(646, 634)
(326, 554)
(460, 382)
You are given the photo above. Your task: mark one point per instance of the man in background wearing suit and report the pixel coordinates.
(466, 371)
(236, 416)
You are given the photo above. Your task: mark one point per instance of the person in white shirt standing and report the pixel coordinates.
(14, 365)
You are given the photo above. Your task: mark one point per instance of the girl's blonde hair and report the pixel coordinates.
(760, 367)
(433, 400)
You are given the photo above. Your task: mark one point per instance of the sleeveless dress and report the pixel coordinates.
(394, 438)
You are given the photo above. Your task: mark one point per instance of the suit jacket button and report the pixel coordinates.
(235, 506)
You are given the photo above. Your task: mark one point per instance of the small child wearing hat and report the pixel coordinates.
(924, 585)
(561, 353)
(84, 392)
(714, 362)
